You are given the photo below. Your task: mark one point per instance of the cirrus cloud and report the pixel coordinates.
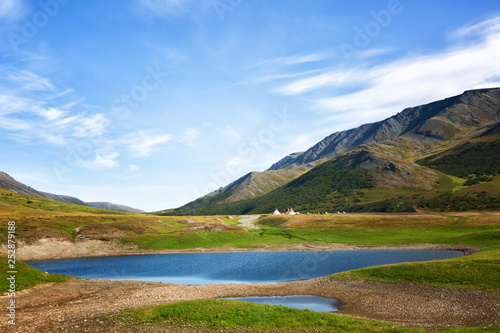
(381, 90)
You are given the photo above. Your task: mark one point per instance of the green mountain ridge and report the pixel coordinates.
(7, 182)
(390, 151)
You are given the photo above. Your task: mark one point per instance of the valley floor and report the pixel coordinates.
(87, 305)
(78, 305)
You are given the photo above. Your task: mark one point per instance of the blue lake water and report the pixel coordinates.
(244, 267)
(313, 303)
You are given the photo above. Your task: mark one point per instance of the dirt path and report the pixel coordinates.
(73, 306)
(248, 221)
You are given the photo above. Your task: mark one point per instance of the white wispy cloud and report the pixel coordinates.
(30, 81)
(292, 60)
(143, 143)
(326, 79)
(94, 125)
(385, 89)
(37, 110)
(372, 52)
(189, 137)
(10, 104)
(491, 26)
(164, 7)
(103, 161)
(52, 113)
(132, 172)
(34, 111)
(133, 168)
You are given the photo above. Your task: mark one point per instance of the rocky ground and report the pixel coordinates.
(248, 221)
(75, 306)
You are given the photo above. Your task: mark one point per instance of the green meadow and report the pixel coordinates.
(235, 316)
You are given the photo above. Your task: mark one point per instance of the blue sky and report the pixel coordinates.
(153, 103)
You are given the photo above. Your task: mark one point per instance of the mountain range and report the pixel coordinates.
(395, 164)
(9, 183)
(438, 156)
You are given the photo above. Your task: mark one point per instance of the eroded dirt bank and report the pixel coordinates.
(73, 306)
(55, 249)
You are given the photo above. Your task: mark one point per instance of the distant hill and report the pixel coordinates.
(400, 153)
(115, 207)
(9, 183)
(251, 185)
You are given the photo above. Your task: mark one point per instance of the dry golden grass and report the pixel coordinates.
(375, 220)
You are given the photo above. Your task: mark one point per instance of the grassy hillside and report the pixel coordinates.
(479, 159)
(11, 198)
(327, 182)
(260, 183)
(26, 276)
(252, 185)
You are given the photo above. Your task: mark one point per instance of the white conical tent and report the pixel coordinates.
(276, 212)
(290, 212)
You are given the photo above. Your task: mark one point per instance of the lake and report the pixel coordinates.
(243, 267)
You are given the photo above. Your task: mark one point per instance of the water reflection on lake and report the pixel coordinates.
(313, 303)
(244, 267)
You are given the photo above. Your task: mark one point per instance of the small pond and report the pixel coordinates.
(313, 303)
(244, 267)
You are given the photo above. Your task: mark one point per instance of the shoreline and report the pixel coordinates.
(82, 303)
(114, 252)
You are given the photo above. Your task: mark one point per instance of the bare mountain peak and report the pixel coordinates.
(285, 161)
(424, 125)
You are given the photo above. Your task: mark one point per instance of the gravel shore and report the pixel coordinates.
(73, 306)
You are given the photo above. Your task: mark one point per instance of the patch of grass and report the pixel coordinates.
(491, 187)
(480, 158)
(451, 274)
(26, 276)
(231, 314)
(206, 239)
(388, 229)
(481, 270)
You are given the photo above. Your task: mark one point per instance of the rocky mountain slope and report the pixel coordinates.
(420, 128)
(388, 149)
